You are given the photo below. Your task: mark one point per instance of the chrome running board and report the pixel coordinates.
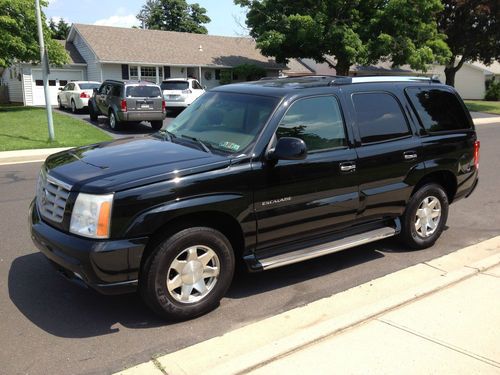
(326, 248)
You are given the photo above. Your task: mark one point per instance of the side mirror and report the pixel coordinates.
(61, 88)
(94, 90)
(288, 148)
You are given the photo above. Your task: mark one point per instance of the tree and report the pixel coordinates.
(472, 28)
(354, 31)
(60, 30)
(19, 37)
(174, 15)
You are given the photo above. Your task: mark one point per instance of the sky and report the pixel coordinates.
(226, 17)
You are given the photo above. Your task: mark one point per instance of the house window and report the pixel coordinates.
(63, 82)
(39, 82)
(134, 73)
(148, 73)
(52, 82)
(217, 74)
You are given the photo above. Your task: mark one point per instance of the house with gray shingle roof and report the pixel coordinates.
(98, 53)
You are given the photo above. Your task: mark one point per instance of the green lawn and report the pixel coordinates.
(26, 128)
(483, 106)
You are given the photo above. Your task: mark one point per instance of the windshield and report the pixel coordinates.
(175, 85)
(143, 91)
(225, 122)
(89, 86)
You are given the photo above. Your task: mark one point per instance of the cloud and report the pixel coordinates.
(119, 20)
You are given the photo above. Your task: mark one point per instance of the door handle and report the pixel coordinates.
(348, 166)
(410, 155)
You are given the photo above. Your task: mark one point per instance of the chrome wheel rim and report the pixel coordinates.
(193, 274)
(112, 121)
(428, 216)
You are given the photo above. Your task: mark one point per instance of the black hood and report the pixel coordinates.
(129, 162)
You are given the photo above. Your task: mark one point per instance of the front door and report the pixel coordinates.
(302, 199)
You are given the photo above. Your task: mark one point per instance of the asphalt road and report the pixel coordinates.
(49, 326)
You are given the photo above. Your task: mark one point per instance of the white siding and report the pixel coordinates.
(93, 67)
(111, 71)
(13, 76)
(178, 72)
(469, 81)
(211, 83)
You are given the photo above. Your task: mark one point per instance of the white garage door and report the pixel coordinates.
(57, 78)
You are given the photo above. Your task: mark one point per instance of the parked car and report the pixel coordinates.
(76, 95)
(268, 173)
(128, 102)
(181, 92)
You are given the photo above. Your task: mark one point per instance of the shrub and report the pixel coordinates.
(493, 91)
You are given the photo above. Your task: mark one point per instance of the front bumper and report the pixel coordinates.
(103, 265)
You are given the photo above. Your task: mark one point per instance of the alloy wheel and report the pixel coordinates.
(193, 274)
(428, 216)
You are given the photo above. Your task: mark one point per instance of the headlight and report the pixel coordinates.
(91, 216)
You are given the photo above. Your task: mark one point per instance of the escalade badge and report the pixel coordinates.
(276, 201)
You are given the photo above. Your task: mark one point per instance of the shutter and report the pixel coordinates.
(125, 71)
(166, 72)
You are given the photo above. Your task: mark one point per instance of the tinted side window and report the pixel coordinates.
(104, 89)
(115, 90)
(317, 121)
(438, 110)
(379, 117)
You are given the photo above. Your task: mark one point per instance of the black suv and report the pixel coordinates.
(271, 172)
(128, 102)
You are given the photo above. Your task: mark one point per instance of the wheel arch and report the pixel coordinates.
(221, 221)
(444, 178)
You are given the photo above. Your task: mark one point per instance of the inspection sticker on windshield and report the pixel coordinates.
(230, 146)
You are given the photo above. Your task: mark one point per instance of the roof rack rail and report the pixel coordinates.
(369, 79)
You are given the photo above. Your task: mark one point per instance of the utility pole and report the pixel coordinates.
(45, 70)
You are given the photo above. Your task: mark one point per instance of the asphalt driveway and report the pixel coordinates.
(126, 131)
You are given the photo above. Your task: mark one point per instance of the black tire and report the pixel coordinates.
(93, 115)
(59, 104)
(114, 123)
(410, 235)
(74, 110)
(156, 272)
(157, 125)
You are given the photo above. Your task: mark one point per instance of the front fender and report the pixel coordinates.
(235, 205)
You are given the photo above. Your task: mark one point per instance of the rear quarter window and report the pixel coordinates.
(437, 109)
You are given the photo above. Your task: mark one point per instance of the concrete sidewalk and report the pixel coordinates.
(441, 316)
(28, 156)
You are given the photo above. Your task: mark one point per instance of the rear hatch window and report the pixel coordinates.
(175, 85)
(89, 86)
(143, 91)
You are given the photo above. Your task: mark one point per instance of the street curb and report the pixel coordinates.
(487, 121)
(28, 156)
(304, 326)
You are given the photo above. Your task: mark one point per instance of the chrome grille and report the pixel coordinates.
(51, 197)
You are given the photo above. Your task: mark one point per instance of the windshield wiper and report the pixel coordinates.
(201, 143)
(167, 135)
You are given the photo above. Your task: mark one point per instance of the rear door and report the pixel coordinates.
(389, 150)
(298, 200)
(144, 98)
